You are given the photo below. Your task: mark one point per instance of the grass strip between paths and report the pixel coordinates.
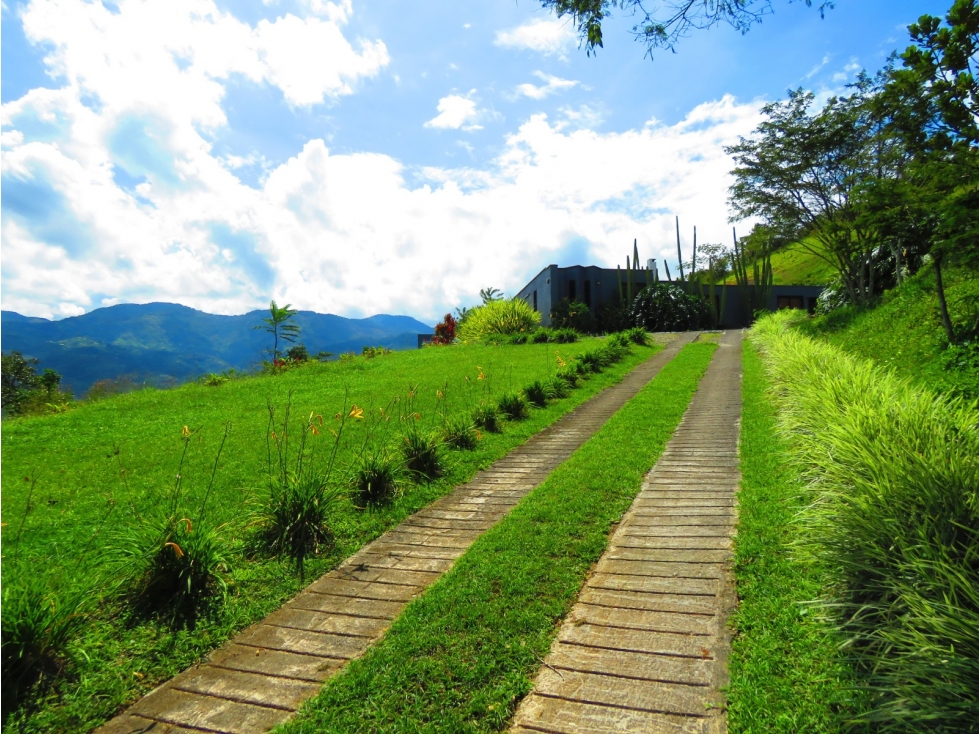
(462, 655)
(787, 674)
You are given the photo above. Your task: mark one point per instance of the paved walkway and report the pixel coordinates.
(260, 678)
(645, 647)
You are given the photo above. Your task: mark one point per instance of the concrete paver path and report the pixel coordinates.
(261, 677)
(645, 647)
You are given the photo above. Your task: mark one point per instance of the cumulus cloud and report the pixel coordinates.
(455, 112)
(551, 85)
(546, 36)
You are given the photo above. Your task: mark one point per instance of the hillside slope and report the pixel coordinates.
(904, 331)
(166, 342)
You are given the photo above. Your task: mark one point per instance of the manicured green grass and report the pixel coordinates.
(461, 656)
(787, 674)
(82, 495)
(904, 332)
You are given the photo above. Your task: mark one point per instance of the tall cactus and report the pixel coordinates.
(679, 252)
(754, 297)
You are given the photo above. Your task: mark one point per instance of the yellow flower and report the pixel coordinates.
(560, 361)
(176, 549)
(356, 412)
(185, 432)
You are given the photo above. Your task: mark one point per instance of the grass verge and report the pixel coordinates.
(60, 522)
(892, 475)
(787, 673)
(461, 656)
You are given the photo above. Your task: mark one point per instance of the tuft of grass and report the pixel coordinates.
(377, 476)
(488, 418)
(538, 393)
(459, 432)
(787, 673)
(38, 623)
(461, 656)
(557, 388)
(420, 450)
(637, 335)
(541, 336)
(894, 514)
(513, 406)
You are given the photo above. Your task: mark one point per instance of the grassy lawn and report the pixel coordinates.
(786, 671)
(461, 656)
(904, 331)
(96, 466)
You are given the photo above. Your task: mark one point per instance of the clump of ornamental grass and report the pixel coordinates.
(637, 335)
(420, 451)
(508, 316)
(557, 387)
(170, 560)
(541, 336)
(894, 477)
(513, 406)
(459, 432)
(487, 417)
(39, 620)
(377, 476)
(538, 393)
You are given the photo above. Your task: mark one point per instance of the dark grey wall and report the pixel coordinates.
(552, 285)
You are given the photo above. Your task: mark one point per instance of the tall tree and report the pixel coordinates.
(799, 171)
(280, 326)
(664, 22)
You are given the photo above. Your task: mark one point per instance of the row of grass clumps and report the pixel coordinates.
(787, 674)
(173, 562)
(540, 335)
(893, 470)
(462, 655)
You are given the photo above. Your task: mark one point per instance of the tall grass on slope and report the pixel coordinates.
(894, 475)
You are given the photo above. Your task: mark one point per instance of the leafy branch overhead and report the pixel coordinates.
(663, 22)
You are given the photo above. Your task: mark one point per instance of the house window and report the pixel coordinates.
(587, 293)
(572, 290)
(790, 302)
(535, 300)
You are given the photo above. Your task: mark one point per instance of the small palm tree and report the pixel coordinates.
(279, 326)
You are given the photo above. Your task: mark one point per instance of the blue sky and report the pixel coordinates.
(353, 158)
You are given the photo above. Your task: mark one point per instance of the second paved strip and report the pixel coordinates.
(645, 649)
(260, 678)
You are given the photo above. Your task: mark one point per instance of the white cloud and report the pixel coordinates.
(848, 71)
(455, 112)
(817, 67)
(348, 233)
(548, 37)
(551, 85)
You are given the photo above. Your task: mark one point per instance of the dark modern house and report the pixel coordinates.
(595, 286)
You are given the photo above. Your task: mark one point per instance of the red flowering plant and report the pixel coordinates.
(445, 332)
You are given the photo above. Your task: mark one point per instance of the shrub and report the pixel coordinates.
(513, 406)
(169, 563)
(487, 417)
(637, 335)
(565, 336)
(538, 393)
(295, 518)
(371, 352)
(612, 317)
(618, 342)
(459, 432)
(557, 387)
(420, 450)
(377, 476)
(569, 375)
(298, 354)
(668, 307)
(541, 336)
(573, 315)
(895, 515)
(512, 316)
(37, 625)
(516, 339)
(445, 332)
(592, 360)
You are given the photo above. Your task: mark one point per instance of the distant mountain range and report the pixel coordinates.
(159, 343)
